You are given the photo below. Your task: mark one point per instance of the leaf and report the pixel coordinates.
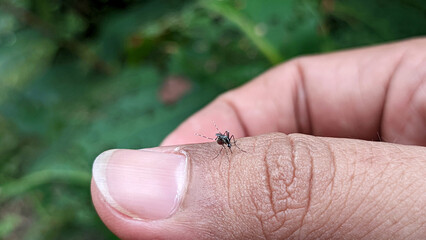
(23, 59)
(248, 27)
(8, 224)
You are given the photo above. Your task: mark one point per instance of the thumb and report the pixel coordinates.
(272, 187)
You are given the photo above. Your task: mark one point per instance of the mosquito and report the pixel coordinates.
(224, 140)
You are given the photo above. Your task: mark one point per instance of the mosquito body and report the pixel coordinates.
(225, 140)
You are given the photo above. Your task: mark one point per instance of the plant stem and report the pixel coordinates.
(247, 27)
(36, 179)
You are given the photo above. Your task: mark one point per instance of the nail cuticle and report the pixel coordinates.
(186, 180)
(100, 164)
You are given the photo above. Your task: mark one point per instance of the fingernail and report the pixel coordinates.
(142, 184)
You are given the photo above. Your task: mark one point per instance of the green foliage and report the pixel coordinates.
(81, 77)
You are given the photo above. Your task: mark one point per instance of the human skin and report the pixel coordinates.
(326, 179)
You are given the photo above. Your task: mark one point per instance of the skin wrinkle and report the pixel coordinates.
(364, 176)
(385, 204)
(268, 179)
(293, 165)
(310, 182)
(235, 109)
(331, 184)
(396, 222)
(269, 184)
(296, 109)
(286, 196)
(348, 192)
(333, 167)
(237, 213)
(301, 88)
(221, 172)
(273, 223)
(258, 216)
(307, 209)
(254, 202)
(228, 177)
(362, 81)
(415, 200)
(404, 215)
(357, 207)
(380, 176)
(233, 236)
(382, 206)
(416, 223)
(389, 84)
(417, 87)
(281, 178)
(283, 221)
(275, 100)
(255, 143)
(414, 231)
(411, 106)
(292, 160)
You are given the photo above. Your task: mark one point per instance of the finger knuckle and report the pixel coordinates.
(283, 204)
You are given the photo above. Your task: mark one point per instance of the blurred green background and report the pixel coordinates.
(80, 77)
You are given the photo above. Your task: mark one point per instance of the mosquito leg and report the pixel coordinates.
(235, 143)
(232, 137)
(223, 147)
(218, 153)
(204, 136)
(216, 127)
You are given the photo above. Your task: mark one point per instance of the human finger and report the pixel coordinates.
(273, 186)
(369, 93)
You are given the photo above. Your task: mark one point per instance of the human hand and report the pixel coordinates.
(287, 186)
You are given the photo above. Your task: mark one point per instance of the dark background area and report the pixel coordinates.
(80, 77)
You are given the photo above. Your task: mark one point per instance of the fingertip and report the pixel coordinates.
(137, 192)
(126, 227)
(121, 225)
